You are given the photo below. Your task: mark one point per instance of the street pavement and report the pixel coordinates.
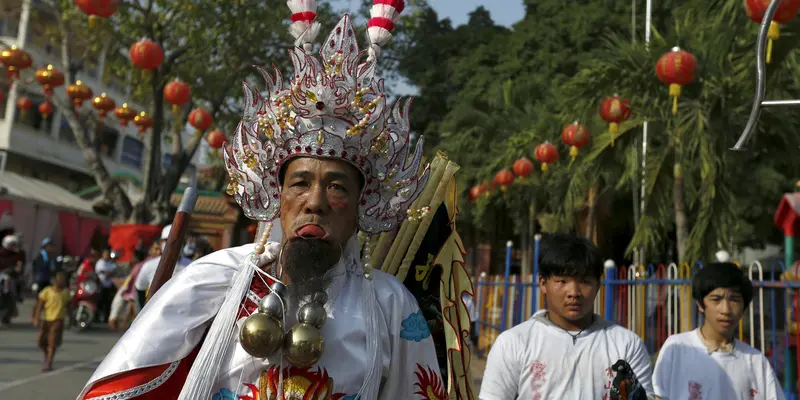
(75, 360)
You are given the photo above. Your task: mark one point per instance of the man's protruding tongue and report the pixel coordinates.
(311, 231)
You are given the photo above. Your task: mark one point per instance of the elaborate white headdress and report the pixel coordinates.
(333, 107)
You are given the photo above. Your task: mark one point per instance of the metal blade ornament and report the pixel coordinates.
(262, 333)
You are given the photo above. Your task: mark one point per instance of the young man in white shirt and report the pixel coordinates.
(709, 363)
(565, 351)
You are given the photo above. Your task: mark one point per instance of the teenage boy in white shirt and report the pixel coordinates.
(709, 363)
(565, 351)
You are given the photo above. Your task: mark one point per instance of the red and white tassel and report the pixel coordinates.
(383, 16)
(304, 27)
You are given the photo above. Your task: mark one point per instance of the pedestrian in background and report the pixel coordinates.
(44, 265)
(55, 300)
(105, 268)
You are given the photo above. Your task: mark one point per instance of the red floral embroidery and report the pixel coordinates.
(695, 391)
(753, 393)
(538, 378)
(429, 384)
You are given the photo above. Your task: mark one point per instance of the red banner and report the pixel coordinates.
(124, 238)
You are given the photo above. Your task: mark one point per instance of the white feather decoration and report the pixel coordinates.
(304, 32)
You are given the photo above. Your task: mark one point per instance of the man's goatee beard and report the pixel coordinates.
(306, 261)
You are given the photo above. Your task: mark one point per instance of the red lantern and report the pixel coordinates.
(575, 136)
(103, 104)
(787, 10)
(125, 114)
(87, 6)
(78, 93)
(523, 168)
(49, 77)
(143, 121)
(24, 104)
(216, 139)
(475, 192)
(546, 154)
(45, 109)
(200, 119)
(177, 93)
(504, 178)
(676, 68)
(15, 60)
(146, 54)
(615, 110)
(105, 8)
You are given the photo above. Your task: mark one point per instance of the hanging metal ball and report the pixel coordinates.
(271, 305)
(313, 314)
(320, 298)
(261, 335)
(303, 345)
(278, 288)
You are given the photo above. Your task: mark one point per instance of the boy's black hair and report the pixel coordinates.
(569, 256)
(721, 275)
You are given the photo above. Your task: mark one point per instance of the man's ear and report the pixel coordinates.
(700, 306)
(542, 286)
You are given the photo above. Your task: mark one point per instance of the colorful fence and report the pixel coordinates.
(655, 302)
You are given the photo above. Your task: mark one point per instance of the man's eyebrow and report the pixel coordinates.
(300, 174)
(336, 175)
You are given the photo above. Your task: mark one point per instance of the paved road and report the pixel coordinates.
(21, 360)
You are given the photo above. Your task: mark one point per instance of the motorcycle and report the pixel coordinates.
(85, 298)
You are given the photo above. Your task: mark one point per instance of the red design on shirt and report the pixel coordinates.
(695, 391)
(258, 287)
(538, 378)
(753, 393)
(429, 384)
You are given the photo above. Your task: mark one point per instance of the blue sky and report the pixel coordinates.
(504, 12)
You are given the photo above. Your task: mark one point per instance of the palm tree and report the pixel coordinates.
(698, 197)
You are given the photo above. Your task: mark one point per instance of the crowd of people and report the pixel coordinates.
(52, 279)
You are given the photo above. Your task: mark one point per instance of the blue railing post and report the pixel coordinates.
(506, 284)
(537, 239)
(611, 268)
(477, 314)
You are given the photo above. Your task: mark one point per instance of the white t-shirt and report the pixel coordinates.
(107, 267)
(148, 271)
(539, 360)
(685, 371)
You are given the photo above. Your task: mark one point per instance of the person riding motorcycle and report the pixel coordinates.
(11, 263)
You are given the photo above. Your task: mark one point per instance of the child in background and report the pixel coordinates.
(708, 362)
(56, 302)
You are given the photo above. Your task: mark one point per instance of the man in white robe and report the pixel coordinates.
(325, 182)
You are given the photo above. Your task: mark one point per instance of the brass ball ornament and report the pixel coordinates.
(304, 344)
(262, 333)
